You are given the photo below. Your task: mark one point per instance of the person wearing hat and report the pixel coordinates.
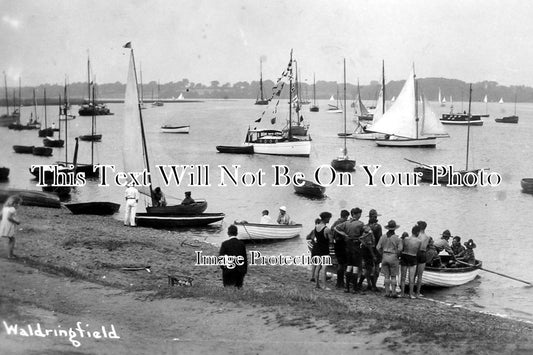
(390, 247)
(377, 232)
(468, 256)
(283, 217)
(456, 246)
(442, 243)
(408, 260)
(188, 199)
(132, 198)
(351, 230)
(339, 246)
(421, 256)
(233, 247)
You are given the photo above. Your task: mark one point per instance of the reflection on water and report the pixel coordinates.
(495, 217)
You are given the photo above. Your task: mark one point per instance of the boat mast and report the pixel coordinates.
(88, 82)
(468, 128)
(66, 124)
(290, 98)
(515, 103)
(416, 100)
(7, 102)
(59, 118)
(143, 136)
(45, 117)
(314, 90)
(383, 85)
(261, 78)
(345, 151)
(34, 105)
(93, 129)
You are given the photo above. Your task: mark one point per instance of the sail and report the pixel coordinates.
(362, 109)
(485, 99)
(181, 97)
(430, 124)
(132, 150)
(399, 120)
(440, 97)
(378, 112)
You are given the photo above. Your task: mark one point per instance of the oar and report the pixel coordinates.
(415, 162)
(497, 273)
(249, 236)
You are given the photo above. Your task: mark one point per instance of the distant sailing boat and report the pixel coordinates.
(260, 98)
(51, 141)
(314, 107)
(404, 125)
(298, 127)
(89, 108)
(509, 119)
(334, 108)
(343, 162)
(362, 112)
(444, 177)
(441, 101)
(9, 118)
(93, 137)
(157, 102)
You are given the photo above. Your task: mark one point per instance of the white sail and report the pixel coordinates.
(485, 99)
(501, 100)
(378, 112)
(399, 120)
(443, 100)
(181, 97)
(430, 125)
(132, 150)
(440, 98)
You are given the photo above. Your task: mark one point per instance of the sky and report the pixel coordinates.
(223, 40)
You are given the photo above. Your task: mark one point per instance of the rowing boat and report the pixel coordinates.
(97, 208)
(31, 197)
(258, 231)
(162, 221)
(450, 276)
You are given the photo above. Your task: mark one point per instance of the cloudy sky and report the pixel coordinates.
(205, 40)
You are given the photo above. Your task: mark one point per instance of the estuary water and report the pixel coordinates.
(498, 218)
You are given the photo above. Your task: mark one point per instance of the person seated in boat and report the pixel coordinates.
(467, 256)
(283, 217)
(188, 199)
(457, 248)
(442, 243)
(265, 218)
(432, 256)
(159, 198)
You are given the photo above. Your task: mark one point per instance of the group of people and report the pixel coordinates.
(283, 217)
(363, 251)
(158, 200)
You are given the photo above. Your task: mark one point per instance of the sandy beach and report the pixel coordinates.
(73, 269)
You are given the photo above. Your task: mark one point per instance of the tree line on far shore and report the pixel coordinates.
(450, 89)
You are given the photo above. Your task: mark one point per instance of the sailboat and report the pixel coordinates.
(64, 110)
(314, 107)
(51, 141)
(334, 108)
(9, 118)
(298, 127)
(509, 119)
(260, 100)
(93, 137)
(157, 102)
(404, 125)
(362, 112)
(135, 154)
(343, 162)
(361, 132)
(444, 177)
(90, 107)
(275, 141)
(501, 100)
(17, 125)
(441, 101)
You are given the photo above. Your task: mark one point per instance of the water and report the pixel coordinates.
(497, 218)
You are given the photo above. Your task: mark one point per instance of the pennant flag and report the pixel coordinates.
(127, 45)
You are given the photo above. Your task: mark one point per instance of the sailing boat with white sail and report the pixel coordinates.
(407, 126)
(441, 100)
(135, 156)
(362, 112)
(343, 162)
(334, 105)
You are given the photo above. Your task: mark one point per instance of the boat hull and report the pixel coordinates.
(450, 277)
(175, 129)
(290, 148)
(461, 119)
(23, 149)
(408, 143)
(508, 119)
(343, 164)
(159, 221)
(427, 175)
(32, 198)
(195, 208)
(91, 137)
(314, 109)
(310, 189)
(54, 143)
(244, 149)
(93, 208)
(42, 151)
(4, 173)
(527, 185)
(257, 231)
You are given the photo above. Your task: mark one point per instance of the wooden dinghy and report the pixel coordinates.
(99, 208)
(168, 221)
(239, 149)
(23, 149)
(175, 129)
(527, 185)
(32, 198)
(42, 151)
(310, 189)
(507, 119)
(450, 276)
(258, 231)
(4, 173)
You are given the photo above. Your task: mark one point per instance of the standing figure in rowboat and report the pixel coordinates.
(467, 256)
(132, 198)
(159, 198)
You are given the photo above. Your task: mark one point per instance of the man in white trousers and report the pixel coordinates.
(132, 198)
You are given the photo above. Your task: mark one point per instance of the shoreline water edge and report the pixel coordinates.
(101, 251)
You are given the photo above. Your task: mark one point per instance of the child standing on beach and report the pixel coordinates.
(9, 221)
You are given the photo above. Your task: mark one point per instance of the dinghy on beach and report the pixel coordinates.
(258, 231)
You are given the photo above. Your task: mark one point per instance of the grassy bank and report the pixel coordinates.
(98, 248)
